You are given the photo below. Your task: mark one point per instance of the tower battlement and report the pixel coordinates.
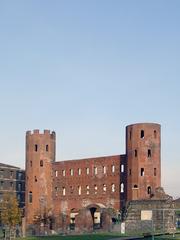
(38, 132)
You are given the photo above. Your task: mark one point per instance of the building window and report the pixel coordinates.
(149, 190)
(142, 133)
(71, 172)
(20, 175)
(30, 197)
(95, 170)
(87, 189)
(79, 171)
(155, 134)
(155, 172)
(56, 173)
(11, 174)
(31, 163)
(95, 189)
(122, 168)
(149, 153)
(11, 185)
(41, 163)
(1, 173)
(79, 190)
(71, 189)
(35, 147)
(64, 173)
(135, 186)
(130, 172)
(19, 187)
(113, 187)
(64, 191)
(87, 171)
(104, 169)
(135, 152)
(19, 197)
(104, 187)
(142, 171)
(122, 187)
(2, 185)
(35, 179)
(113, 168)
(47, 148)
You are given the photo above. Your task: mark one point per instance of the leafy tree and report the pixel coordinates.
(10, 212)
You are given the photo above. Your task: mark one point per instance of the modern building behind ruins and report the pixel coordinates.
(12, 180)
(94, 184)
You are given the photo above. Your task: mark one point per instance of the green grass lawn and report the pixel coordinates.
(77, 237)
(97, 237)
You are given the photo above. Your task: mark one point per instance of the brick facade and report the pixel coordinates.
(66, 187)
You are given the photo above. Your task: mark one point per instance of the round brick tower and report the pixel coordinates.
(143, 151)
(40, 154)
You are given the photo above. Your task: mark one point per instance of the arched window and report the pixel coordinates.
(79, 190)
(64, 191)
(41, 163)
(149, 190)
(142, 133)
(30, 197)
(104, 187)
(71, 172)
(122, 187)
(113, 187)
(87, 189)
(87, 171)
(135, 152)
(64, 173)
(95, 189)
(79, 171)
(135, 186)
(142, 171)
(35, 147)
(113, 168)
(149, 153)
(47, 148)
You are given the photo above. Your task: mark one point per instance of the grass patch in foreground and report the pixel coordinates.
(95, 236)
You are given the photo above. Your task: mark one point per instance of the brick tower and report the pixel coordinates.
(143, 142)
(40, 154)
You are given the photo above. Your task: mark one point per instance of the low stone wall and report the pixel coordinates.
(150, 216)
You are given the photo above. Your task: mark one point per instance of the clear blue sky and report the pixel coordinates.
(86, 69)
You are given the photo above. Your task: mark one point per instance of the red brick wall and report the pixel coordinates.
(140, 160)
(39, 178)
(72, 199)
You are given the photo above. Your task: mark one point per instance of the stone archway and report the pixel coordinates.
(96, 211)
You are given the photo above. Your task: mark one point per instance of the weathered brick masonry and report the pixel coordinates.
(66, 187)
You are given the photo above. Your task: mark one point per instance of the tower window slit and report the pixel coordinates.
(36, 147)
(142, 133)
(149, 153)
